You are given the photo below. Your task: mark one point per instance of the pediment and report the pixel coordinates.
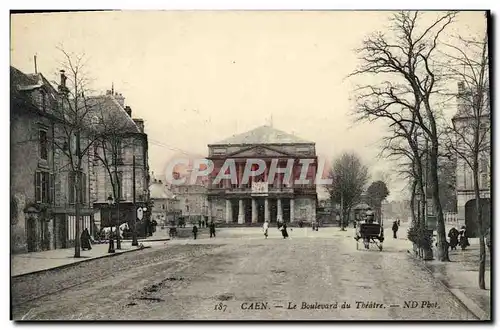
(259, 151)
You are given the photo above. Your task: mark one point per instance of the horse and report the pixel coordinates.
(106, 231)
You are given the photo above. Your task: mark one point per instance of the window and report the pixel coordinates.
(72, 188)
(483, 165)
(119, 184)
(485, 183)
(44, 187)
(42, 139)
(117, 153)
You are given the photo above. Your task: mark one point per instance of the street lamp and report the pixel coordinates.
(111, 248)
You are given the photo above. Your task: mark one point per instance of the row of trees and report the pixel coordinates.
(88, 126)
(411, 69)
(349, 180)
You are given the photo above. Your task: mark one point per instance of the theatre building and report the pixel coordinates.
(259, 199)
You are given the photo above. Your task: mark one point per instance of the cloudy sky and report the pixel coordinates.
(199, 77)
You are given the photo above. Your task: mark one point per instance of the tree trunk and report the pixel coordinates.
(479, 213)
(441, 234)
(412, 203)
(78, 191)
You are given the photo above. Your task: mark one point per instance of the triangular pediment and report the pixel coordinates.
(258, 151)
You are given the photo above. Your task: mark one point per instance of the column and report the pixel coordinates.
(280, 211)
(254, 210)
(292, 209)
(266, 210)
(229, 212)
(241, 216)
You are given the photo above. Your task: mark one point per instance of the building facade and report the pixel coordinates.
(260, 199)
(113, 168)
(166, 206)
(466, 213)
(193, 202)
(42, 189)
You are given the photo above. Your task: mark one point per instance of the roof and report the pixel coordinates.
(263, 135)
(111, 114)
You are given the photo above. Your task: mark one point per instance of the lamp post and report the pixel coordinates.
(111, 248)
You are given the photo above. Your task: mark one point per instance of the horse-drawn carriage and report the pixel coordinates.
(369, 231)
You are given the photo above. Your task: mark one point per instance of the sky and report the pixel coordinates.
(197, 77)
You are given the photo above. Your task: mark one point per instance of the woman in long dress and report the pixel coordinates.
(283, 231)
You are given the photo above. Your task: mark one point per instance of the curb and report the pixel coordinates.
(79, 262)
(473, 308)
(150, 240)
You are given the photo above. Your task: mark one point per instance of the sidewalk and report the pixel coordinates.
(22, 264)
(461, 277)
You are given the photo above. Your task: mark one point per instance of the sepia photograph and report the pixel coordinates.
(250, 165)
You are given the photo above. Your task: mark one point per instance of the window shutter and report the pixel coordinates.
(38, 197)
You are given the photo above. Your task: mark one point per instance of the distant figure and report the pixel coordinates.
(195, 231)
(212, 229)
(453, 235)
(199, 223)
(265, 227)
(283, 231)
(395, 228)
(464, 239)
(301, 224)
(85, 240)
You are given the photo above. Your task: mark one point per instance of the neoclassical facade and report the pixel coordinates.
(261, 198)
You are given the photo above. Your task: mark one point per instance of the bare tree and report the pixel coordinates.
(75, 131)
(349, 177)
(469, 136)
(405, 59)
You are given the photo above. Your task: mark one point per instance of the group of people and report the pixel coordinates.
(203, 223)
(458, 237)
(211, 227)
(281, 227)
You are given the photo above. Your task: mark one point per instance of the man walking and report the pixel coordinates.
(395, 229)
(195, 231)
(212, 229)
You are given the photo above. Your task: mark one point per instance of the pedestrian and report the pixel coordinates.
(453, 235)
(395, 228)
(265, 227)
(283, 231)
(195, 231)
(212, 229)
(85, 240)
(464, 239)
(199, 223)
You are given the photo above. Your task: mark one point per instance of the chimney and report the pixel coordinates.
(128, 110)
(120, 99)
(62, 84)
(140, 124)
